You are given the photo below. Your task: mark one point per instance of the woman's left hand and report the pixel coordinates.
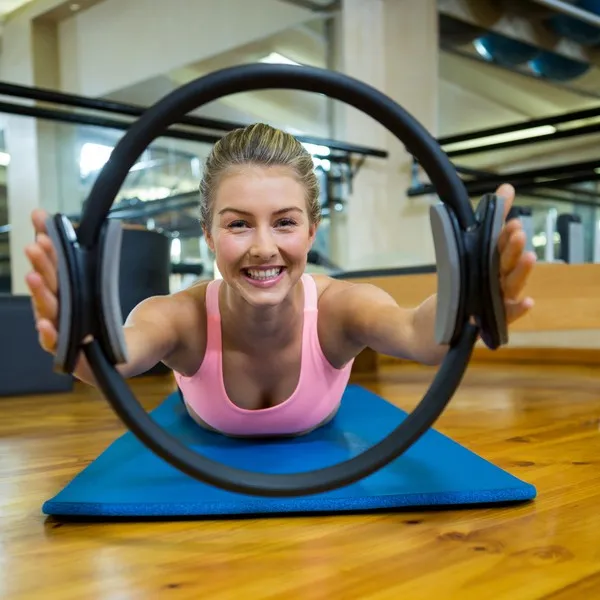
(515, 263)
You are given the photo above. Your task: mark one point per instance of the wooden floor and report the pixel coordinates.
(541, 424)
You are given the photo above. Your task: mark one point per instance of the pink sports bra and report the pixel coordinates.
(316, 397)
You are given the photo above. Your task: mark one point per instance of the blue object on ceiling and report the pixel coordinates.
(505, 51)
(558, 68)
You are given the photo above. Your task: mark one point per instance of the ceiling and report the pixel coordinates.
(305, 44)
(49, 10)
(9, 6)
(473, 94)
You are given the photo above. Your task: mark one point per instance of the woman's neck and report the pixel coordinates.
(249, 327)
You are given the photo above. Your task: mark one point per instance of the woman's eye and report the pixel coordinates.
(286, 222)
(236, 224)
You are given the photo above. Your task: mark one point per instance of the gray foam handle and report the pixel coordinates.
(110, 298)
(64, 292)
(496, 294)
(448, 274)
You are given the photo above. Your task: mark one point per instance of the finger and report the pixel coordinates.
(511, 227)
(47, 335)
(45, 242)
(514, 283)
(512, 251)
(42, 263)
(43, 311)
(507, 192)
(30, 281)
(516, 310)
(38, 218)
(45, 304)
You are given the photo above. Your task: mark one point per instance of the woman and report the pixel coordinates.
(268, 349)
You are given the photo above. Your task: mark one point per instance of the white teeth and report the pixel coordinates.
(263, 273)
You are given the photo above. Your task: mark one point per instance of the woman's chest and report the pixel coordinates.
(261, 380)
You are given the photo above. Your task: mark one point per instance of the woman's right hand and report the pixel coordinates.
(43, 282)
(151, 330)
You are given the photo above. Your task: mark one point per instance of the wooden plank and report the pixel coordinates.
(567, 297)
(508, 355)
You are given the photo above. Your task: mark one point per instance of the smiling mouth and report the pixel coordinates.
(263, 274)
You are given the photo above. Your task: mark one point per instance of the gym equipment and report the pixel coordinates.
(570, 231)
(465, 244)
(505, 51)
(558, 68)
(127, 480)
(550, 230)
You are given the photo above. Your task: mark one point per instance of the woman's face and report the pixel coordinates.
(261, 232)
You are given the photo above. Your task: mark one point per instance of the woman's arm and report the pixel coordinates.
(373, 319)
(150, 337)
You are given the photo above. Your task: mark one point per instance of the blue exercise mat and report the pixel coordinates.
(128, 480)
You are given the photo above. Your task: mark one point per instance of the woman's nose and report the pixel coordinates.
(263, 244)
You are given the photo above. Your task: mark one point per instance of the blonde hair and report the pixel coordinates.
(262, 145)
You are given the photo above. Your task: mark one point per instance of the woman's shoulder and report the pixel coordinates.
(344, 302)
(180, 308)
(191, 299)
(333, 305)
(185, 312)
(331, 295)
(328, 288)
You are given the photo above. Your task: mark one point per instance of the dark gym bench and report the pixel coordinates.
(25, 368)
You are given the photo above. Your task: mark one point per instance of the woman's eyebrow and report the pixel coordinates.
(244, 212)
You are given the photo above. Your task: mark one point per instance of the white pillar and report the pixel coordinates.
(43, 169)
(392, 45)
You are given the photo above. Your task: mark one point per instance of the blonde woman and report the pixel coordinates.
(267, 349)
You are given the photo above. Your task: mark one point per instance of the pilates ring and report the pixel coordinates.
(469, 295)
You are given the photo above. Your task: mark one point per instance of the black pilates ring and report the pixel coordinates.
(443, 176)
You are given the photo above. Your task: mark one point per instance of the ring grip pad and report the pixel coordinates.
(109, 313)
(70, 318)
(456, 301)
(450, 260)
(79, 311)
(492, 312)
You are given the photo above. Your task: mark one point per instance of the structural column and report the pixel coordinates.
(393, 46)
(43, 169)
